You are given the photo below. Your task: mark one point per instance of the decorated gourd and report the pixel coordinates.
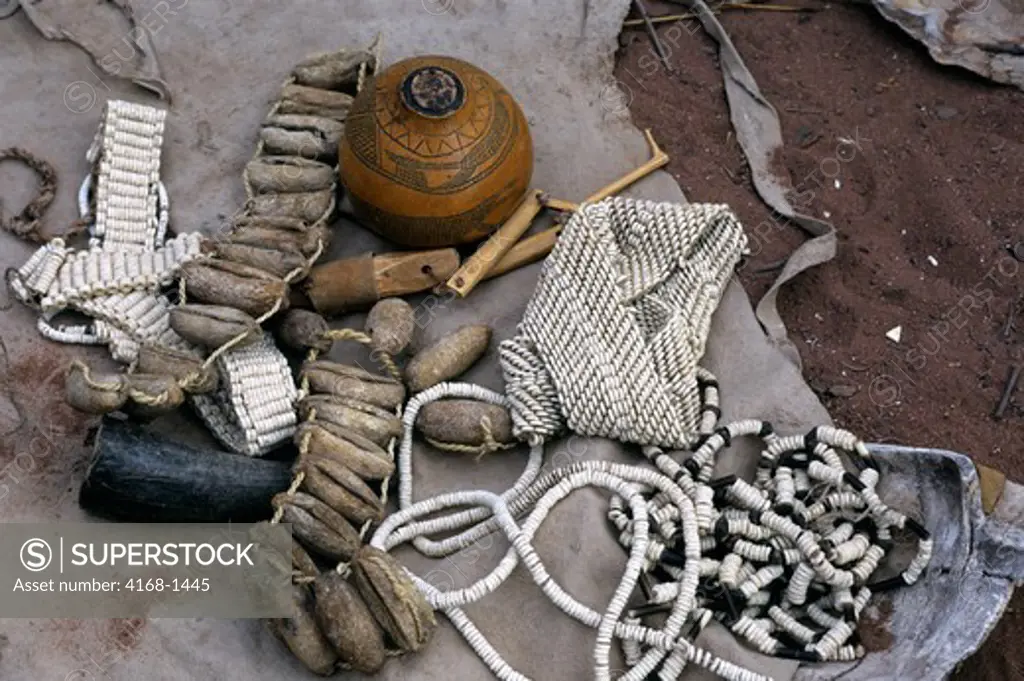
(435, 153)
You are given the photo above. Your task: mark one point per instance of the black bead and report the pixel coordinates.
(671, 557)
(799, 655)
(811, 439)
(704, 383)
(854, 482)
(888, 584)
(917, 528)
(783, 508)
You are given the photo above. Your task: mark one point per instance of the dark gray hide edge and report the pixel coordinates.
(947, 615)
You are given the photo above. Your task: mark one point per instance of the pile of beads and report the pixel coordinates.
(785, 562)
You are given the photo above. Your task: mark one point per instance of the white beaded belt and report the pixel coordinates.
(117, 281)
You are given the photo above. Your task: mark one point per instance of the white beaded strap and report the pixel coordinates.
(87, 274)
(126, 158)
(79, 334)
(116, 280)
(253, 409)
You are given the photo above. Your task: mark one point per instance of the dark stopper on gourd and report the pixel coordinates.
(433, 91)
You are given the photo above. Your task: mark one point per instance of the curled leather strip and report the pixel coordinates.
(26, 224)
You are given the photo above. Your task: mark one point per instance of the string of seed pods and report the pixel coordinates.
(367, 608)
(786, 562)
(242, 388)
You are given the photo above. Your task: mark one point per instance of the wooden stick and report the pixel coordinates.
(531, 249)
(658, 47)
(537, 246)
(490, 253)
(668, 18)
(1011, 385)
(559, 204)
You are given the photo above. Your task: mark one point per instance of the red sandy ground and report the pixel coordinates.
(938, 172)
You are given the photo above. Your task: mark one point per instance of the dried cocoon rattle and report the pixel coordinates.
(448, 357)
(230, 284)
(307, 206)
(185, 366)
(304, 330)
(301, 99)
(280, 234)
(331, 71)
(319, 526)
(94, 393)
(396, 603)
(360, 455)
(391, 324)
(302, 635)
(373, 423)
(212, 326)
(465, 422)
(289, 174)
(302, 562)
(341, 489)
(278, 263)
(313, 137)
(347, 623)
(345, 380)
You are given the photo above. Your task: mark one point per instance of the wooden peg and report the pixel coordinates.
(537, 246)
(531, 249)
(357, 283)
(487, 256)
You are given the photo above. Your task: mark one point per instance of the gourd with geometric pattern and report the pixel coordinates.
(435, 153)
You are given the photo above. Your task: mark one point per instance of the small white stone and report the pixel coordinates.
(894, 334)
(933, 261)
(826, 213)
(837, 184)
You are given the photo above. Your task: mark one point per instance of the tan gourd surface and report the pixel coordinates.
(435, 153)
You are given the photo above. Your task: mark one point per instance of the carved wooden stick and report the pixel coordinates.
(490, 253)
(531, 249)
(537, 246)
